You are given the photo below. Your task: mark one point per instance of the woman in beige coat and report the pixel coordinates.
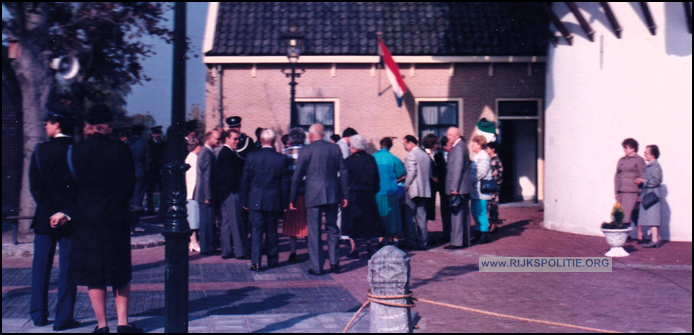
(626, 190)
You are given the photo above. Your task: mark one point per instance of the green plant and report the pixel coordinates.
(617, 218)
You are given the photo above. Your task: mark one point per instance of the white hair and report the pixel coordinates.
(267, 136)
(357, 142)
(317, 129)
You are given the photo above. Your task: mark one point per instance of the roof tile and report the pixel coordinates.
(409, 28)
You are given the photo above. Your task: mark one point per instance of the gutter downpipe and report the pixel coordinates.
(220, 107)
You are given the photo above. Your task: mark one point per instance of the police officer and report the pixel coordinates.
(53, 190)
(246, 143)
(156, 148)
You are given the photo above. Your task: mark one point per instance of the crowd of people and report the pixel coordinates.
(239, 192)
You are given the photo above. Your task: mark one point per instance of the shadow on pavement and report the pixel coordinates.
(511, 229)
(281, 326)
(444, 273)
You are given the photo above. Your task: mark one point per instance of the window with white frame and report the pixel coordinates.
(309, 113)
(435, 117)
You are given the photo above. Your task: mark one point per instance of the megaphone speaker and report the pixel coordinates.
(66, 66)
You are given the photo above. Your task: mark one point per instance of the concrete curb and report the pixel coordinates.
(27, 249)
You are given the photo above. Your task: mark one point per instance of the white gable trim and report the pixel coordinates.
(212, 11)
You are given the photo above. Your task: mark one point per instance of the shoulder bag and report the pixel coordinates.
(489, 186)
(649, 200)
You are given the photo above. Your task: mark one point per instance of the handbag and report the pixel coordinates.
(649, 200)
(489, 186)
(454, 200)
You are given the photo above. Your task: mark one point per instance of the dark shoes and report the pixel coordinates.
(354, 254)
(255, 267)
(314, 273)
(369, 250)
(101, 330)
(652, 244)
(405, 246)
(73, 324)
(292, 258)
(453, 247)
(335, 268)
(484, 238)
(41, 323)
(130, 329)
(244, 257)
(642, 241)
(228, 256)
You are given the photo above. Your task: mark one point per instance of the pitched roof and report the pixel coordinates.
(409, 28)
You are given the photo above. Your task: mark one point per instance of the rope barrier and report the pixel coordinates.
(382, 300)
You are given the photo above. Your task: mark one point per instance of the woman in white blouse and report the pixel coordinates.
(192, 205)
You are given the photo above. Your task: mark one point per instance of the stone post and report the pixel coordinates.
(389, 275)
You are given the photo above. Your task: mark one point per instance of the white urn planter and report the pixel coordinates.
(616, 238)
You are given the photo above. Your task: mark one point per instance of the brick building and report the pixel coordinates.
(461, 62)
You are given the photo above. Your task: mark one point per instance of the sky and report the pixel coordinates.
(154, 96)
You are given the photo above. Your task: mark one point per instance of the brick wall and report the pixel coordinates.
(261, 96)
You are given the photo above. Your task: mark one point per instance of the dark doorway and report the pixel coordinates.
(518, 153)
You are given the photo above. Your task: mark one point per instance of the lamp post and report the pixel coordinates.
(294, 43)
(176, 230)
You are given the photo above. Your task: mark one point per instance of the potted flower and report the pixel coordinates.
(616, 232)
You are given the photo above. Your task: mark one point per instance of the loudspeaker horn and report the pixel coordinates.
(66, 66)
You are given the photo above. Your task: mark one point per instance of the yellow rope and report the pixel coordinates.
(382, 300)
(515, 317)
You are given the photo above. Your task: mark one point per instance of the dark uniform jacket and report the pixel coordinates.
(156, 150)
(104, 173)
(228, 173)
(265, 185)
(51, 184)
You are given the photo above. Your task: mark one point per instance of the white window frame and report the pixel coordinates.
(417, 101)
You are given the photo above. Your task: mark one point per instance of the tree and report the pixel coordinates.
(106, 39)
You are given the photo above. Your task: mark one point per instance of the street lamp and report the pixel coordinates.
(294, 43)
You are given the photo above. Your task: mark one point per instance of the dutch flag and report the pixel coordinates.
(392, 72)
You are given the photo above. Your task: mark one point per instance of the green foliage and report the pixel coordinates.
(106, 37)
(617, 218)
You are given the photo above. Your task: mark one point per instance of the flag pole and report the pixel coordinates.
(379, 34)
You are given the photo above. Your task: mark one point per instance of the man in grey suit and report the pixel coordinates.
(204, 193)
(417, 190)
(321, 162)
(459, 184)
(265, 193)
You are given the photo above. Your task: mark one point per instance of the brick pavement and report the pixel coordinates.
(649, 291)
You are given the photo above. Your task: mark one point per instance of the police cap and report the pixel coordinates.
(58, 112)
(234, 121)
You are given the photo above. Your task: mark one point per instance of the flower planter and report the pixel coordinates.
(616, 238)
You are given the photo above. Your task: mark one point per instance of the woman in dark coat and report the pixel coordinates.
(361, 219)
(104, 175)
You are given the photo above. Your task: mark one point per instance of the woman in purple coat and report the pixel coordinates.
(626, 190)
